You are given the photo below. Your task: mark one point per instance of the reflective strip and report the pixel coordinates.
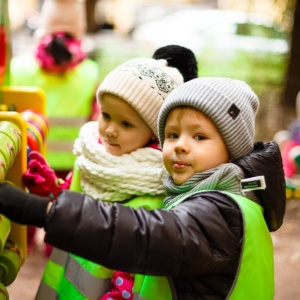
(52, 275)
(63, 146)
(137, 296)
(87, 284)
(59, 257)
(46, 292)
(68, 122)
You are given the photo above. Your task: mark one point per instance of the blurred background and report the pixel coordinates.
(253, 40)
(257, 41)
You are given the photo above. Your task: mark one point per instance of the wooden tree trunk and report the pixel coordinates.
(292, 85)
(92, 24)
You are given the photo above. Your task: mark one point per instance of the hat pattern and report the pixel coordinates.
(144, 83)
(154, 76)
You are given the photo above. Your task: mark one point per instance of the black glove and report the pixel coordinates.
(22, 208)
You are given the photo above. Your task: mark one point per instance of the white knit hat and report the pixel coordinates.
(144, 83)
(230, 104)
(63, 15)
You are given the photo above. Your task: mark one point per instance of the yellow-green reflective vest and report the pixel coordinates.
(70, 277)
(69, 100)
(255, 276)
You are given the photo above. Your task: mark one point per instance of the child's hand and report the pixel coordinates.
(21, 207)
(39, 178)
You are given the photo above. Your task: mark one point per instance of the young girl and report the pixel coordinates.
(118, 160)
(211, 240)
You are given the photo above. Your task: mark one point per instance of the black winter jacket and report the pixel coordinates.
(198, 242)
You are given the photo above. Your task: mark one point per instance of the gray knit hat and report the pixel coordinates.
(230, 104)
(144, 83)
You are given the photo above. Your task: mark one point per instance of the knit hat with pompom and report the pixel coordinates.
(181, 58)
(144, 83)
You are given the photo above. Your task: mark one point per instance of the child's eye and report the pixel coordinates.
(105, 115)
(127, 124)
(200, 137)
(172, 136)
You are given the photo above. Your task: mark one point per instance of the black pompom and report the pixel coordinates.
(181, 58)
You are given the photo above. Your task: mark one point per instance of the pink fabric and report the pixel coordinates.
(122, 285)
(155, 145)
(95, 110)
(46, 61)
(48, 249)
(40, 179)
(289, 167)
(30, 238)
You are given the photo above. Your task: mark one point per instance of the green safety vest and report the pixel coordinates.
(69, 100)
(255, 276)
(70, 277)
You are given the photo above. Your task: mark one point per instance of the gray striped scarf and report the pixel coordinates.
(225, 177)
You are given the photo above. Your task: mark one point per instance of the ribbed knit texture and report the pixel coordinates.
(116, 178)
(225, 177)
(144, 83)
(230, 104)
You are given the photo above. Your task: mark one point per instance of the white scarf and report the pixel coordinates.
(117, 178)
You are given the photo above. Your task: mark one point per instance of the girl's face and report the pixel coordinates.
(121, 128)
(192, 144)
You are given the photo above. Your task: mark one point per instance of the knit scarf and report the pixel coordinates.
(117, 178)
(225, 177)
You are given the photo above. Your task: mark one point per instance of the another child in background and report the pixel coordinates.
(59, 65)
(212, 238)
(118, 160)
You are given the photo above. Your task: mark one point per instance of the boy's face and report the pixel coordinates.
(192, 144)
(121, 128)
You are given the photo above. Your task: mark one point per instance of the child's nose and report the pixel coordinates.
(181, 146)
(111, 131)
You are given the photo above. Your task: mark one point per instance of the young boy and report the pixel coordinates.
(212, 240)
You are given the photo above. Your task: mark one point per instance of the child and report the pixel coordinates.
(61, 68)
(118, 160)
(211, 240)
